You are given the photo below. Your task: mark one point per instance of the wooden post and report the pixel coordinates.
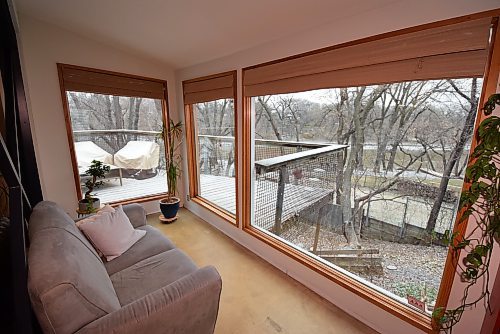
(316, 235)
(367, 220)
(403, 225)
(279, 200)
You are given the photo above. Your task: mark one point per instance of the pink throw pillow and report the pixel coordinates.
(111, 232)
(106, 209)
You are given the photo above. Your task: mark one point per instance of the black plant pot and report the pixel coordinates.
(83, 204)
(170, 208)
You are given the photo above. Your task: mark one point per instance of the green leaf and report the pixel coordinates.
(481, 250)
(471, 272)
(473, 260)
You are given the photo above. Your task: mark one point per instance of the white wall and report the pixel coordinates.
(42, 46)
(400, 14)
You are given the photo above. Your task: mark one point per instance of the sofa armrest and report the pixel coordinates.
(188, 305)
(136, 213)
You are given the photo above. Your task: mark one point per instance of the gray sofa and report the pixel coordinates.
(152, 288)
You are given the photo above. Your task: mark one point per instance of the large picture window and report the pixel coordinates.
(210, 121)
(116, 120)
(367, 178)
(356, 157)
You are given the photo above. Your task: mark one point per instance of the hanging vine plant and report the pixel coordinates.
(480, 204)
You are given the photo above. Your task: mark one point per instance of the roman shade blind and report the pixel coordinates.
(101, 82)
(214, 87)
(452, 51)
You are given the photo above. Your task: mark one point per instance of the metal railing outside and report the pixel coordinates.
(216, 155)
(288, 184)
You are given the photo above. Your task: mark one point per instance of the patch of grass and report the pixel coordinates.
(415, 290)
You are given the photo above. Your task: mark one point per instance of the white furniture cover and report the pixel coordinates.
(86, 151)
(138, 155)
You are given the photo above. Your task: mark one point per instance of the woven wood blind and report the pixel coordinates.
(453, 51)
(209, 88)
(92, 81)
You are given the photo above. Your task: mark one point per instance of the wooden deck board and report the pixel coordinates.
(220, 190)
(111, 191)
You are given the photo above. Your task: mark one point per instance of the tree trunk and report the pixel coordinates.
(270, 118)
(394, 150)
(137, 115)
(383, 142)
(119, 124)
(131, 104)
(360, 166)
(359, 118)
(349, 231)
(454, 157)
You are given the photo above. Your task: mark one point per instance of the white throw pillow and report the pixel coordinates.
(106, 209)
(111, 232)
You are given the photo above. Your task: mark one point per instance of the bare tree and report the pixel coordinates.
(400, 107)
(410, 103)
(106, 112)
(472, 97)
(215, 119)
(361, 107)
(263, 103)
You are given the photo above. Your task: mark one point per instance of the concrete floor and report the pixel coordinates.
(256, 297)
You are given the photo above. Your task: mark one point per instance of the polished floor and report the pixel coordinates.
(256, 297)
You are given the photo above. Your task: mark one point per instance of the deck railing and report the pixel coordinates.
(216, 153)
(295, 182)
(114, 140)
(290, 176)
(302, 173)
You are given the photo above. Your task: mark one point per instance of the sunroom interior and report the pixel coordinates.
(323, 152)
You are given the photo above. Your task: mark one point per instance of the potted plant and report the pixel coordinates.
(172, 135)
(96, 170)
(481, 200)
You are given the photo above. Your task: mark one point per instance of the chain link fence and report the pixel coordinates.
(411, 211)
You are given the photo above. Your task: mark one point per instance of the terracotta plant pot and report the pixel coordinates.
(83, 204)
(170, 208)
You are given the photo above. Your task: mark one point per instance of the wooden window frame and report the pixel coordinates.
(400, 310)
(69, 129)
(193, 159)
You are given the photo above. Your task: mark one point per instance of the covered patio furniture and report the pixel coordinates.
(138, 155)
(87, 151)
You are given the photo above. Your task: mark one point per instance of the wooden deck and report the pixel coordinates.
(220, 190)
(112, 191)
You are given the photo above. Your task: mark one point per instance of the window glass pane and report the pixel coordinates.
(123, 133)
(214, 131)
(366, 179)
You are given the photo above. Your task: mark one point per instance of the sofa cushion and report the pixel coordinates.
(151, 274)
(151, 244)
(68, 285)
(48, 215)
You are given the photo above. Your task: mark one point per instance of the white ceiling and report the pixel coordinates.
(182, 33)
